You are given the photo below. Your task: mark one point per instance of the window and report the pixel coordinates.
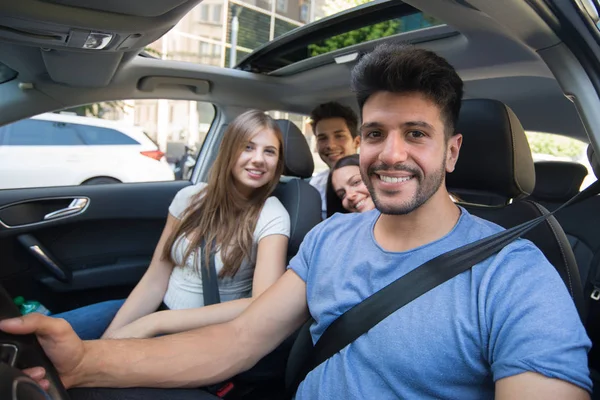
(32, 132)
(254, 27)
(123, 141)
(217, 13)
(282, 6)
(217, 50)
(204, 12)
(367, 33)
(304, 12)
(337, 36)
(282, 27)
(204, 49)
(97, 136)
(551, 147)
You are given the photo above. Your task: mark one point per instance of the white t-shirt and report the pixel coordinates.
(319, 182)
(185, 284)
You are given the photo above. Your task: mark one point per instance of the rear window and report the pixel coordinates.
(32, 132)
(95, 135)
(552, 147)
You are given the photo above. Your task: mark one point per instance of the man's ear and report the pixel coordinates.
(452, 151)
(356, 142)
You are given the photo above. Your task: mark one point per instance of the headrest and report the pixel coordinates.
(594, 162)
(495, 155)
(558, 181)
(297, 156)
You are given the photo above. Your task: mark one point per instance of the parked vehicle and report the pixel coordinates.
(62, 150)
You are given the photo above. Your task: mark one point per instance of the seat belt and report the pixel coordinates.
(231, 388)
(592, 324)
(365, 315)
(210, 293)
(210, 284)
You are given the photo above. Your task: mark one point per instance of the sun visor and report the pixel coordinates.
(90, 26)
(92, 70)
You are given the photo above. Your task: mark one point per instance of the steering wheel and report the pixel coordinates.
(18, 352)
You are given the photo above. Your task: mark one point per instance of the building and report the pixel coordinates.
(205, 36)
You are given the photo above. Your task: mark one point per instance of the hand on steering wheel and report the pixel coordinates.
(38, 374)
(60, 353)
(56, 337)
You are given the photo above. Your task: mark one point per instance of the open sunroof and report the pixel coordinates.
(362, 24)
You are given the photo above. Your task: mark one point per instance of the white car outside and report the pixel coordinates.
(62, 150)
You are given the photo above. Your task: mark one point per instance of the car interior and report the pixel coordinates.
(529, 65)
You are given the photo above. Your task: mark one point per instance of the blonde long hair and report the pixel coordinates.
(219, 214)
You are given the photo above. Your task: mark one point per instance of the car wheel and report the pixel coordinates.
(100, 181)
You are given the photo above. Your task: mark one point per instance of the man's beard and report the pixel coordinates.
(426, 187)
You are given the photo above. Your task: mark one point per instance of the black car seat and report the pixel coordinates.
(303, 203)
(506, 169)
(301, 200)
(555, 183)
(584, 221)
(587, 227)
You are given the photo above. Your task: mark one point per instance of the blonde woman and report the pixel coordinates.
(233, 216)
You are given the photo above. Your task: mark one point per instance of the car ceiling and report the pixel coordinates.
(495, 50)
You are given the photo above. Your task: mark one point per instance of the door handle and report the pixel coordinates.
(77, 206)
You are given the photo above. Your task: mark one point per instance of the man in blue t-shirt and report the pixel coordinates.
(506, 328)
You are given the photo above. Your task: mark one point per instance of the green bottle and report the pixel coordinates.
(30, 306)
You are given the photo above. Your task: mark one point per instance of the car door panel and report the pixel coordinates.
(102, 249)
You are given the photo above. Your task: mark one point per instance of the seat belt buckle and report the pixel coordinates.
(225, 389)
(595, 293)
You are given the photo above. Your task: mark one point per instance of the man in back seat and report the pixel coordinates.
(506, 328)
(335, 127)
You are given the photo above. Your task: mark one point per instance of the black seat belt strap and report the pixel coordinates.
(210, 284)
(365, 315)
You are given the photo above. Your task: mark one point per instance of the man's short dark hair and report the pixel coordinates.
(404, 69)
(335, 110)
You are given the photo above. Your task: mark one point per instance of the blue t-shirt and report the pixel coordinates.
(507, 315)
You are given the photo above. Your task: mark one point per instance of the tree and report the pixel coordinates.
(153, 52)
(356, 36)
(364, 34)
(555, 145)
